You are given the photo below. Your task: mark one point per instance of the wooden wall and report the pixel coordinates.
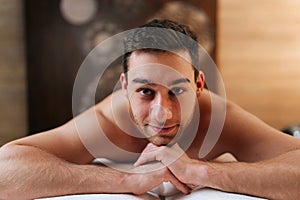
(259, 56)
(12, 72)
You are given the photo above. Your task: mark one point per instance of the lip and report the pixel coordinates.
(163, 129)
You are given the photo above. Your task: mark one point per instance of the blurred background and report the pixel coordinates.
(255, 44)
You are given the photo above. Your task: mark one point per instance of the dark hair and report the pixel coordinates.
(161, 36)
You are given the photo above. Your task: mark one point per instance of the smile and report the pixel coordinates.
(163, 129)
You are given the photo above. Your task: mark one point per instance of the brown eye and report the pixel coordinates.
(146, 92)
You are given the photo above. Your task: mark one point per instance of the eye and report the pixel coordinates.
(177, 90)
(145, 92)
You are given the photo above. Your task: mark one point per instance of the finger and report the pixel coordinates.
(144, 158)
(149, 154)
(179, 185)
(194, 187)
(172, 154)
(150, 148)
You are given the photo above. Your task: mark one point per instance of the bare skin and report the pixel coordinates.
(58, 161)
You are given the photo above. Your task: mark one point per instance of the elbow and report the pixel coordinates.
(8, 152)
(9, 155)
(5, 173)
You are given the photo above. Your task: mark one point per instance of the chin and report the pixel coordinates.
(161, 141)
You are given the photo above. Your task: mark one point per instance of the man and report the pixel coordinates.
(161, 115)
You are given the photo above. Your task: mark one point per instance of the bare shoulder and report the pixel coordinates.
(63, 142)
(249, 138)
(212, 116)
(212, 107)
(207, 99)
(112, 106)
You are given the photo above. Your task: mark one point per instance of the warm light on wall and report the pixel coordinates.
(78, 12)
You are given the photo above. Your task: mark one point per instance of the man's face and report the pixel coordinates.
(162, 93)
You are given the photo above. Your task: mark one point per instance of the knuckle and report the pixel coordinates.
(166, 174)
(163, 148)
(138, 192)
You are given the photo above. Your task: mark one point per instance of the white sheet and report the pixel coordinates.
(202, 194)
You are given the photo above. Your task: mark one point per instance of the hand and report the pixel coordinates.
(146, 177)
(185, 169)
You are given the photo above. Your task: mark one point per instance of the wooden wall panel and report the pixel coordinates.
(12, 72)
(259, 57)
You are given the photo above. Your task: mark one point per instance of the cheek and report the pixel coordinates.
(140, 110)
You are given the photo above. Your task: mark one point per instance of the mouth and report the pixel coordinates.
(161, 135)
(163, 130)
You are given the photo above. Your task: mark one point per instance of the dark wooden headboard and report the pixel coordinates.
(56, 48)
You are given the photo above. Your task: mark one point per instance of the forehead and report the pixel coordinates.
(160, 64)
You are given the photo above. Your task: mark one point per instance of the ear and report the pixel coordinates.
(123, 83)
(200, 82)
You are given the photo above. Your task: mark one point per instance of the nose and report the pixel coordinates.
(160, 114)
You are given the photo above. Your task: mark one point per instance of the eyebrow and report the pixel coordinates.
(142, 81)
(148, 82)
(181, 80)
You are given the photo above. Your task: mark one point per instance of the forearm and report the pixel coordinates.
(278, 178)
(27, 173)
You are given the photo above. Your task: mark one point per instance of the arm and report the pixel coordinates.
(28, 172)
(269, 160)
(56, 162)
(276, 178)
(268, 163)
(52, 163)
